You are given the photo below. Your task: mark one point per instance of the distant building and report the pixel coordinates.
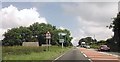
(30, 44)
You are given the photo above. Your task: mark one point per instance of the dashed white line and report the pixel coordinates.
(90, 60)
(85, 55)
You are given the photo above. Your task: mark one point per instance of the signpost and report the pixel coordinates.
(48, 37)
(61, 39)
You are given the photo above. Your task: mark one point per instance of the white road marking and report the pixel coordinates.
(90, 60)
(85, 55)
(60, 56)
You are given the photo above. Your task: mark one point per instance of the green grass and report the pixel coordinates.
(32, 53)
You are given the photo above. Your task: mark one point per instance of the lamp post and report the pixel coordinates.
(48, 37)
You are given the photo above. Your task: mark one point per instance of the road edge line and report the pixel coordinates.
(61, 55)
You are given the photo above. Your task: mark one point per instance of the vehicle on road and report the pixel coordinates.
(87, 46)
(104, 48)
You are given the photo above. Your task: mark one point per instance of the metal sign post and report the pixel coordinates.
(61, 41)
(62, 44)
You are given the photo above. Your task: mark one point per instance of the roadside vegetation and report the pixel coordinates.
(35, 33)
(13, 48)
(113, 42)
(32, 53)
(93, 43)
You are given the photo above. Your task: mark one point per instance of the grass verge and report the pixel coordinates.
(32, 53)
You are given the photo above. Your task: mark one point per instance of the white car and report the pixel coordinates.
(87, 46)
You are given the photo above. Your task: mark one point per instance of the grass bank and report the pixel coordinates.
(32, 53)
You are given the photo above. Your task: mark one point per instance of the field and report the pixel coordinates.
(32, 53)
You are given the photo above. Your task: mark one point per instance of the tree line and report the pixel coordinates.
(114, 42)
(35, 33)
(93, 42)
(87, 40)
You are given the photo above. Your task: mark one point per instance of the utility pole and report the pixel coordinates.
(94, 37)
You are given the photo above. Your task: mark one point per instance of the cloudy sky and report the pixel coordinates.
(81, 18)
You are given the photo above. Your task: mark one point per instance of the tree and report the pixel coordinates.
(34, 33)
(102, 42)
(16, 36)
(87, 40)
(116, 29)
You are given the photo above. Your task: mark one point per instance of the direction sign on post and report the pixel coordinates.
(61, 40)
(48, 37)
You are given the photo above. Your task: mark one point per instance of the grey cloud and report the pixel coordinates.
(92, 18)
(97, 12)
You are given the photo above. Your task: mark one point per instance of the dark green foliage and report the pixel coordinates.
(34, 33)
(102, 42)
(113, 45)
(116, 29)
(88, 40)
(16, 36)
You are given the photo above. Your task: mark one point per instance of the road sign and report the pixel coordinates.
(61, 34)
(61, 40)
(48, 35)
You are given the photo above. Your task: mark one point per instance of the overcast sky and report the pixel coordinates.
(81, 18)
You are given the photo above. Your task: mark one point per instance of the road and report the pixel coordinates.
(86, 55)
(74, 55)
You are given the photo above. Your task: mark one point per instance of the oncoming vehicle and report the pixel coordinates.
(87, 46)
(83, 44)
(104, 48)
